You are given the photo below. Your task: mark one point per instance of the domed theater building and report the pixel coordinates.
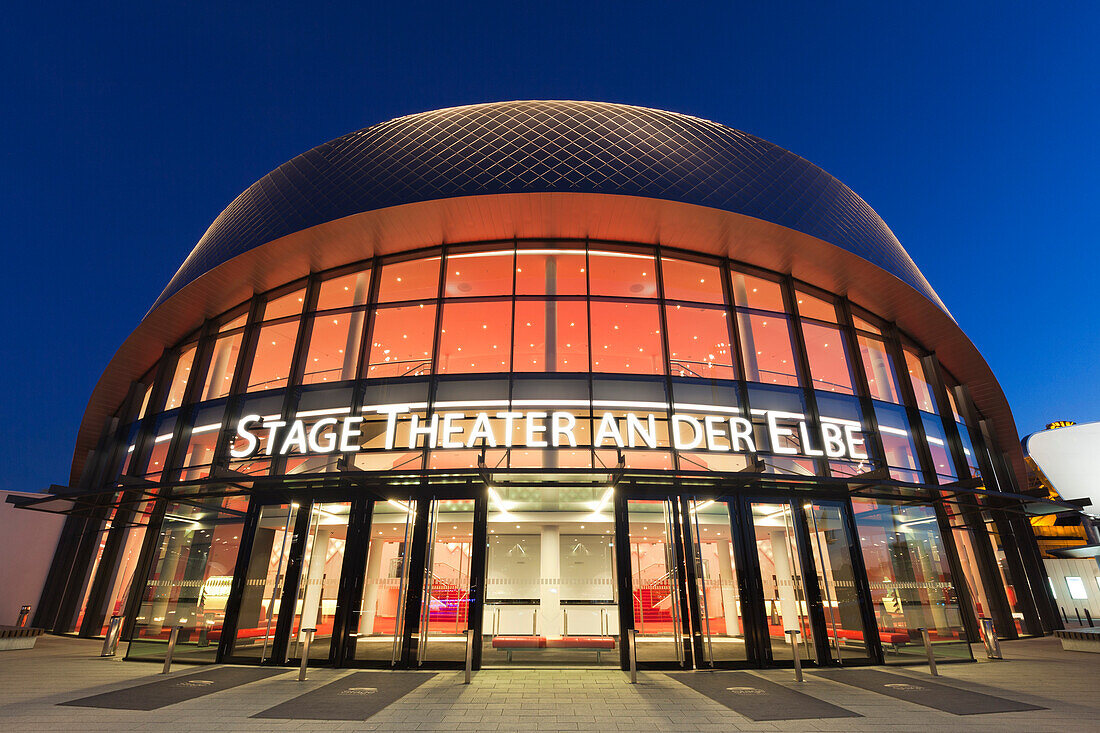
(561, 374)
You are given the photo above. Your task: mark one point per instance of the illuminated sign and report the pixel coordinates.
(407, 427)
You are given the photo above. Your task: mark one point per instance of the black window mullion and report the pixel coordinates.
(802, 358)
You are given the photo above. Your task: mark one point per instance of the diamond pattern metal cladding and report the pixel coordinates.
(546, 146)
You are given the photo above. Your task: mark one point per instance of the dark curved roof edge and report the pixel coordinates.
(549, 146)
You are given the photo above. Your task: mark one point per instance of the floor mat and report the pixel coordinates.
(759, 699)
(171, 690)
(355, 697)
(930, 694)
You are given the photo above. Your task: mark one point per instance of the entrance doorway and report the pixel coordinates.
(291, 582)
(551, 595)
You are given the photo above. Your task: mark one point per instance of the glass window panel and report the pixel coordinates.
(921, 387)
(810, 306)
(623, 274)
(551, 336)
(879, 368)
(699, 342)
(333, 351)
(189, 578)
(479, 273)
(750, 291)
(274, 351)
(122, 575)
(409, 280)
(897, 442)
(766, 346)
(401, 341)
(828, 358)
(223, 365)
(968, 450)
(937, 444)
(287, 305)
(687, 280)
(627, 338)
(832, 548)
(475, 337)
(148, 393)
(865, 325)
(954, 405)
(235, 323)
(551, 272)
(911, 582)
(180, 377)
(344, 291)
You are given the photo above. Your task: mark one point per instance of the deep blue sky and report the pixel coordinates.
(125, 131)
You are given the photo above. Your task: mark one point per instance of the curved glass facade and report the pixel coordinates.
(549, 442)
(571, 329)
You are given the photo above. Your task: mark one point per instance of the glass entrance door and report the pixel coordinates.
(265, 580)
(655, 582)
(291, 582)
(445, 601)
(786, 606)
(380, 627)
(832, 547)
(722, 624)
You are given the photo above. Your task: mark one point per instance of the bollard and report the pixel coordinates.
(470, 638)
(989, 636)
(110, 642)
(928, 650)
(794, 653)
(24, 613)
(305, 654)
(1088, 617)
(1065, 618)
(172, 639)
(1078, 612)
(632, 649)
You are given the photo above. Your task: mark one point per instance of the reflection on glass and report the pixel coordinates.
(911, 583)
(921, 387)
(897, 442)
(781, 576)
(223, 364)
(879, 369)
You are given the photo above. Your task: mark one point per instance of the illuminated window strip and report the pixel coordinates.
(327, 411)
(893, 431)
(705, 408)
(162, 438)
(205, 428)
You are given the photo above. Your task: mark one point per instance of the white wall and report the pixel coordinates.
(27, 543)
(1088, 570)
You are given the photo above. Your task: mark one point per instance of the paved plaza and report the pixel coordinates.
(60, 670)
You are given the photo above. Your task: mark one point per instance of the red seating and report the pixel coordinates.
(519, 642)
(582, 642)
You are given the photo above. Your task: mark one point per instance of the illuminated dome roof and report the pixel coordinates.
(549, 146)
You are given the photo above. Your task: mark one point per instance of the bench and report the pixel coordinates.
(598, 644)
(1079, 640)
(18, 637)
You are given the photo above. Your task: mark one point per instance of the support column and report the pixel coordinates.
(550, 622)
